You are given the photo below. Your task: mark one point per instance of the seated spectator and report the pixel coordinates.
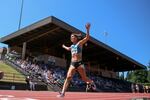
(55, 75)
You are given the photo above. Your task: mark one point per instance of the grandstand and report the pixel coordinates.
(39, 47)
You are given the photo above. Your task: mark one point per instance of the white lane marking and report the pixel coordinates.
(11, 97)
(17, 99)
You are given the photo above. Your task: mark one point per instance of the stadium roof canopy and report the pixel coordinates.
(50, 33)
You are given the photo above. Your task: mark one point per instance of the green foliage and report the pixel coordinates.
(138, 76)
(148, 77)
(130, 77)
(148, 84)
(148, 66)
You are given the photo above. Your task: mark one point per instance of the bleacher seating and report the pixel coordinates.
(56, 74)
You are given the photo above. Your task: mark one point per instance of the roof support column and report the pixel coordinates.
(24, 50)
(8, 49)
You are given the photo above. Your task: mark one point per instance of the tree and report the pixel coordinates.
(138, 76)
(130, 76)
(148, 76)
(148, 67)
(141, 76)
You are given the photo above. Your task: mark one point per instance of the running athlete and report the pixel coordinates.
(76, 61)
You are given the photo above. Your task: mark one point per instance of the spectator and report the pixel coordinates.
(133, 87)
(27, 82)
(32, 83)
(137, 88)
(146, 89)
(55, 75)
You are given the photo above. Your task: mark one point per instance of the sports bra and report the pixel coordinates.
(76, 49)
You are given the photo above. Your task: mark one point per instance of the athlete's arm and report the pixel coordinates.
(65, 47)
(84, 40)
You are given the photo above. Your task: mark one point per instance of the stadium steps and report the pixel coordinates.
(51, 87)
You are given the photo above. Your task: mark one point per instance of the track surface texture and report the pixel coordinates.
(46, 95)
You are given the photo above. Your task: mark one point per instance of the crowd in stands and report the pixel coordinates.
(50, 73)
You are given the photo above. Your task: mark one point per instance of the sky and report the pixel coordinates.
(126, 22)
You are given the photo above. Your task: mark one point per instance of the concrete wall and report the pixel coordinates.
(19, 86)
(104, 72)
(47, 58)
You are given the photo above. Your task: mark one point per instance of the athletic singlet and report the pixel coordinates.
(76, 49)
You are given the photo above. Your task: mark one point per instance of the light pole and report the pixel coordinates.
(21, 10)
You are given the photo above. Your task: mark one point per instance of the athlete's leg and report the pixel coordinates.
(70, 74)
(90, 83)
(82, 73)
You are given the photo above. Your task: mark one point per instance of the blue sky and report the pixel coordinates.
(126, 21)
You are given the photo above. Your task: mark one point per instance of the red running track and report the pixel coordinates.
(46, 95)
